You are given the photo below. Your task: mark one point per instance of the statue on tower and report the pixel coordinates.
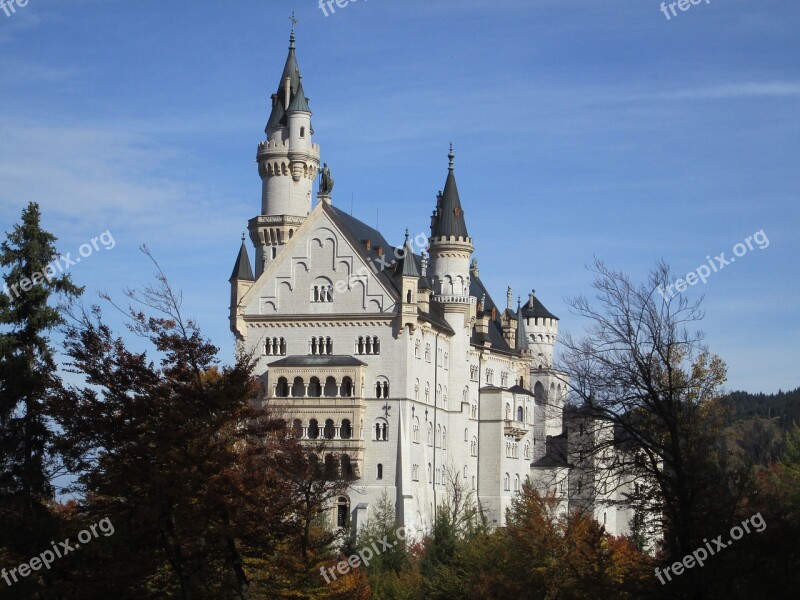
(326, 182)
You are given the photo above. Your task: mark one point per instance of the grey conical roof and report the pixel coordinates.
(522, 336)
(299, 102)
(291, 69)
(277, 117)
(242, 269)
(449, 217)
(407, 266)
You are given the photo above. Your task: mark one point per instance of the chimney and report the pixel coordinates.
(509, 299)
(530, 298)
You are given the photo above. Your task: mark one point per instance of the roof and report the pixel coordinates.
(534, 308)
(299, 102)
(407, 264)
(277, 117)
(495, 335)
(318, 361)
(242, 269)
(518, 389)
(521, 342)
(449, 216)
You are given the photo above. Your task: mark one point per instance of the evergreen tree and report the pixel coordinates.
(28, 382)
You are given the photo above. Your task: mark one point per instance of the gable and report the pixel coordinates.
(321, 270)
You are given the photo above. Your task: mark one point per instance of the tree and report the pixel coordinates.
(643, 369)
(28, 381)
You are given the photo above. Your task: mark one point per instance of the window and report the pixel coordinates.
(297, 429)
(342, 512)
(526, 451)
(473, 447)
(414, 472)
(282, 388)
(430, 473)
(438, 436)
(490, 376)
(381, 430)
(320, 346)
(302, 132)
(473, 372)
(347, 467)
(347, 387)
(516, 484)
(474, 411)
(520, 414)
(417, 345)
(415, 430)
(367, 345)
(329, 431)
(298, 388)
(380, 471)
(322, 292)
(274, 347)
(503, 378)
(313, 429)
(427, 353)
(508, 411)
(466, 434)
(444, 438)
(507, 482)
(314, 388)
(430, 434)
(346, 430)
(382, 389)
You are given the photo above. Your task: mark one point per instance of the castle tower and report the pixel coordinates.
(541, 327)
(450, 249)
(288, 163)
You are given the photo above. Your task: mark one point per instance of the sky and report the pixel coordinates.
(581, 128)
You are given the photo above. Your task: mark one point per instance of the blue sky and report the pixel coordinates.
(580, 127)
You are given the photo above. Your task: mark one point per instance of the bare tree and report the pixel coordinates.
(644, 372)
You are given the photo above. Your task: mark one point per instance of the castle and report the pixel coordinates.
(401, 362)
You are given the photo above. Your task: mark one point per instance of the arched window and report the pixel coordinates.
(342, 512)
(347, 387)
(438, 436)
(313, 429)
(330, 429)
(330, 387)
(417, 345)
(473, 447)
(297, 429)
(314, 388)
(331, 467)
(428, 352)
(415, 431)
(346, 430)
(508, 411)
(507, 482)
(520, 414)
(466, 434)
(516, 484)
(347, 467)
(380, 471)
(430, 434)
(381, 430)
(282, 388)
(430, 473)
(298, 388)
(444, 438)
(526, 450)
(376, 345)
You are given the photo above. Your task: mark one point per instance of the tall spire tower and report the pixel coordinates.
(288, 163)
(450, 248)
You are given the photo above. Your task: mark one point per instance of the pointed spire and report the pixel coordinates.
(407, 267)
(242, 270)
(290, 70)
(449, 219)
(522, 336)
(300, 102)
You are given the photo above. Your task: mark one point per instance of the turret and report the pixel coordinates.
(407, 277)
(541, 329)
(241, 281)
(450, 249)
(288, 163)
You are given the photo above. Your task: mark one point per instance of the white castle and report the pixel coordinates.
(401, 362)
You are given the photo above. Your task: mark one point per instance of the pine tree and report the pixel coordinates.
(28, 380)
